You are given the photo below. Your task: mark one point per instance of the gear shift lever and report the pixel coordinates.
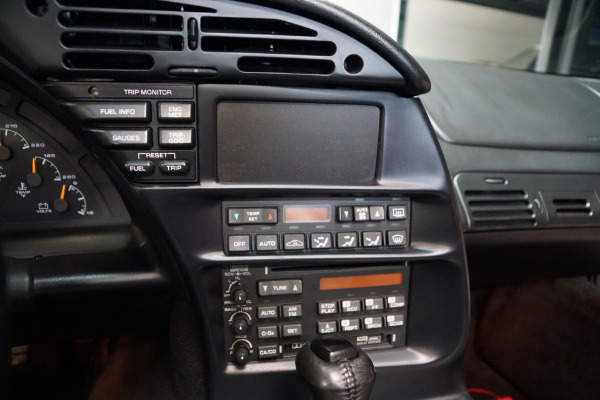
(335, 369)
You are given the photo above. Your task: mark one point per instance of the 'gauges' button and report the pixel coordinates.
(121, 137)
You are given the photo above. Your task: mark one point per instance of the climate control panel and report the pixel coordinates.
(316, 225)
(270, 313)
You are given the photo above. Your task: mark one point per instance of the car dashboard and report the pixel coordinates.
(241, 178)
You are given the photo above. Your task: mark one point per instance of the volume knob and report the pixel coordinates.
(240, 296)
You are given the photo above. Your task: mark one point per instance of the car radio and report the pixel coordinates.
(270, 313)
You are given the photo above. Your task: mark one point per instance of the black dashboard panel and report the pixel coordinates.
(268, 164)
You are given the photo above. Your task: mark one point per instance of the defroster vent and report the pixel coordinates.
(499, 209)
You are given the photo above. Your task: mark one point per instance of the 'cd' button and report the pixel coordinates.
(139, 167)
(174, 167)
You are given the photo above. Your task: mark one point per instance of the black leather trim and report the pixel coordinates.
(417, 81)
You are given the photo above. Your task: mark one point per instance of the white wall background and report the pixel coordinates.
(453, 30)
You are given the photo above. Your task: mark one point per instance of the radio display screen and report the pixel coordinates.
(362, 281)
(297, 143)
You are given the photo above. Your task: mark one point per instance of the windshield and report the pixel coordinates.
(544, 36)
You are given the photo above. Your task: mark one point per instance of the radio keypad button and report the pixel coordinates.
(269, 351)
(291, 310)
(347, 240)
(395, 301)
(394, 320)
(377, 213)
(349, 325)
(327, 327)
(292, 330)
(267, 312)
(328, 307)
(374, 304)
(266, 243)
(294, 241)
(268, 332)
(320, 241)
(373, 322)
(361, 213)
(372, 239)
(351, 306)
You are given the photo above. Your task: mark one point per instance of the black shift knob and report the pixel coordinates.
(335, 369)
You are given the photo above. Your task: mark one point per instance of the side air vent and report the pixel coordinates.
(253, 26)
(579, 208)
(267, 46)
(572, 207)
(499, 209)
(136, 5)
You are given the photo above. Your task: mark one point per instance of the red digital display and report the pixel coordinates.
(362, 281)
(306, 214)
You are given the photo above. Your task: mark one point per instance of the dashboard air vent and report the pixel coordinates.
(110, 20)
(267, 46)
(136, 5)
(129, 41)
(499, 209)
(286, 65)
(569, 207)
(253, 26)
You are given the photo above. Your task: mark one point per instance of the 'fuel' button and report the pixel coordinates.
(139, 167)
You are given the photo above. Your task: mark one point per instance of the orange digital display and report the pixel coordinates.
(352, 282)
(306, 214)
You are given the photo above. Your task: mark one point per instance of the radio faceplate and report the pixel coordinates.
(340, 225)
(270, 313)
